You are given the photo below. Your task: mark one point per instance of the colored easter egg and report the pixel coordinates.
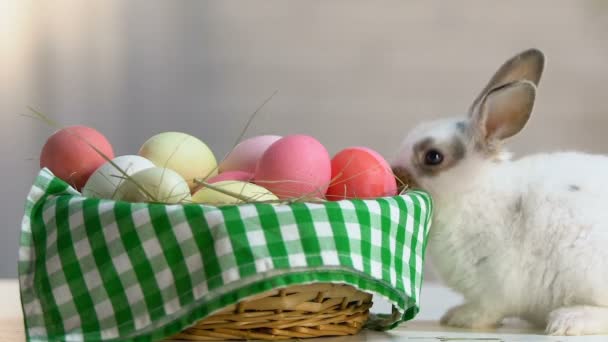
(359, 172)
(252, 193)
(245, 155)
(106, 179)
(232, 176)
(69, 155)
(182, 153)
(159, 185)
(295, 166)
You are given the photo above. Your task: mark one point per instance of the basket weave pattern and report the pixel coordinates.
(303, 311)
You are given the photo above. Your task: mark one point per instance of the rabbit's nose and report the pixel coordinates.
(404, 178)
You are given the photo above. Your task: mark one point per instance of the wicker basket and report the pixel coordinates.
(303, 311)
(196, 273)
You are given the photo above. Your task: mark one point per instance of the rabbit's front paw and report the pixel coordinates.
(470, 316)
(578, 320)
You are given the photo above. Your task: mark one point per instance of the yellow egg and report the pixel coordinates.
(183, 153)
(159, 184)
(253, 192)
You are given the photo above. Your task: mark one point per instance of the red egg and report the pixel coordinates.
(295, 166)
(69, 156)
(358, 172)
(231, 176)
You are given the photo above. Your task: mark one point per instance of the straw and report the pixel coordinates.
(298, 197)
(54, 124)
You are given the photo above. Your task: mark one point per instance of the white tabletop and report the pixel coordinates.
(434, 301)
(11, 319)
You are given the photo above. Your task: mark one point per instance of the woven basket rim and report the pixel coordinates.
(297, 311)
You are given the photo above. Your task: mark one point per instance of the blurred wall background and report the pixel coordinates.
(347, 72)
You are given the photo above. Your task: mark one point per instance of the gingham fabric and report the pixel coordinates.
(100, 270)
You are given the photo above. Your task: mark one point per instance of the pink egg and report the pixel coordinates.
(69, 156)
(295, 166)
(245, 156)
(359, 172)
(231, 176)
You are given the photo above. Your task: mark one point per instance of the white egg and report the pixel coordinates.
(106, 179)
(159, 185)
(253, 193)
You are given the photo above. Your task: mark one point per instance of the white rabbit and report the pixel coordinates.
(525, 238)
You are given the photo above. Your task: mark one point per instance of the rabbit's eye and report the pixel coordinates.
(433, 157)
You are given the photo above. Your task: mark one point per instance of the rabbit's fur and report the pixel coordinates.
(525, 238)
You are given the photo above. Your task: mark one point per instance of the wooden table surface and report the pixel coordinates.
(435, 299)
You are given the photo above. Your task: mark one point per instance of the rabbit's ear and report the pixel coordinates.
(525, 66)
(504, 111)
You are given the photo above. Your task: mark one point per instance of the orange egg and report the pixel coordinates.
(359, 172)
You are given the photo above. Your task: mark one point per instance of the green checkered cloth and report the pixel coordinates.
(100, 270)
